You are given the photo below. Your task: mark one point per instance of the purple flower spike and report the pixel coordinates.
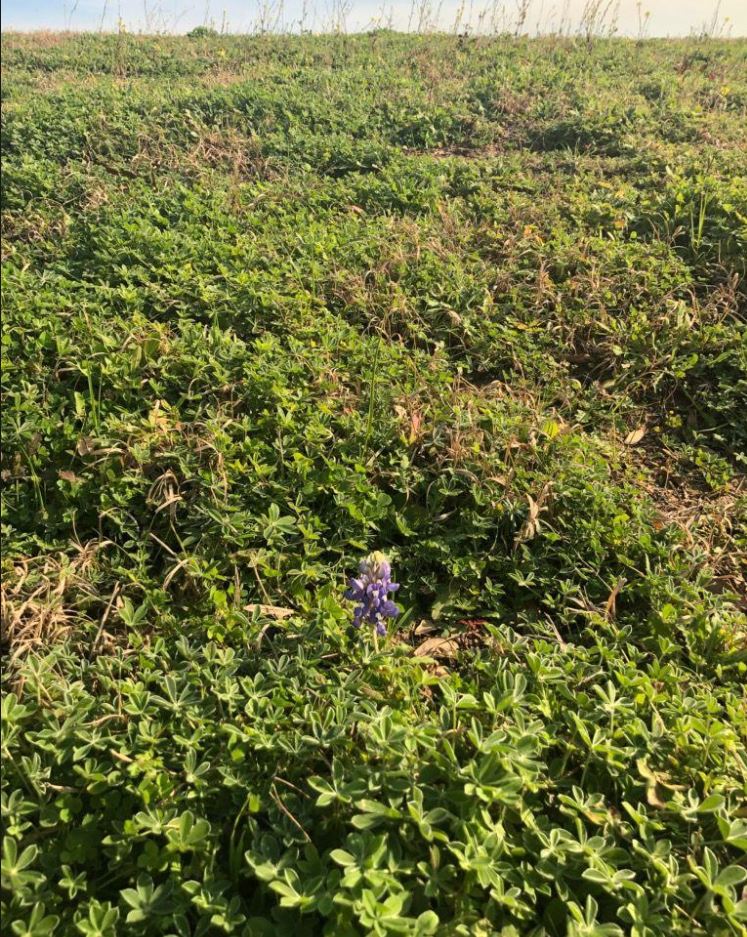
(370, 589)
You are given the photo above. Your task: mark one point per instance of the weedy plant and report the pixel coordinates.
(272, 303)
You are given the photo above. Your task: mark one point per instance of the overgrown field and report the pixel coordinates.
(273, 303)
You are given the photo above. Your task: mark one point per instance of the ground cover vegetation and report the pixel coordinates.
(273, 303)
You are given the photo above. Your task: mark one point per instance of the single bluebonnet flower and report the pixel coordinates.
(370, 589)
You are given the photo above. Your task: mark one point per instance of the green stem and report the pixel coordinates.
(372, 391)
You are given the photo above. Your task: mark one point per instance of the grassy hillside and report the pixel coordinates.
(272, 303)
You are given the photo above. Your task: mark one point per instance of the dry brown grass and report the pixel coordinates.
(38, 38)
(43, 598)
(711, 522)
(228, 150)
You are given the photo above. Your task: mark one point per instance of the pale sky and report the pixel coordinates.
(666, 17)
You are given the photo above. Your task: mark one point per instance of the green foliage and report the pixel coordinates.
(202, 32)
(319, 786)
(272, 303)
